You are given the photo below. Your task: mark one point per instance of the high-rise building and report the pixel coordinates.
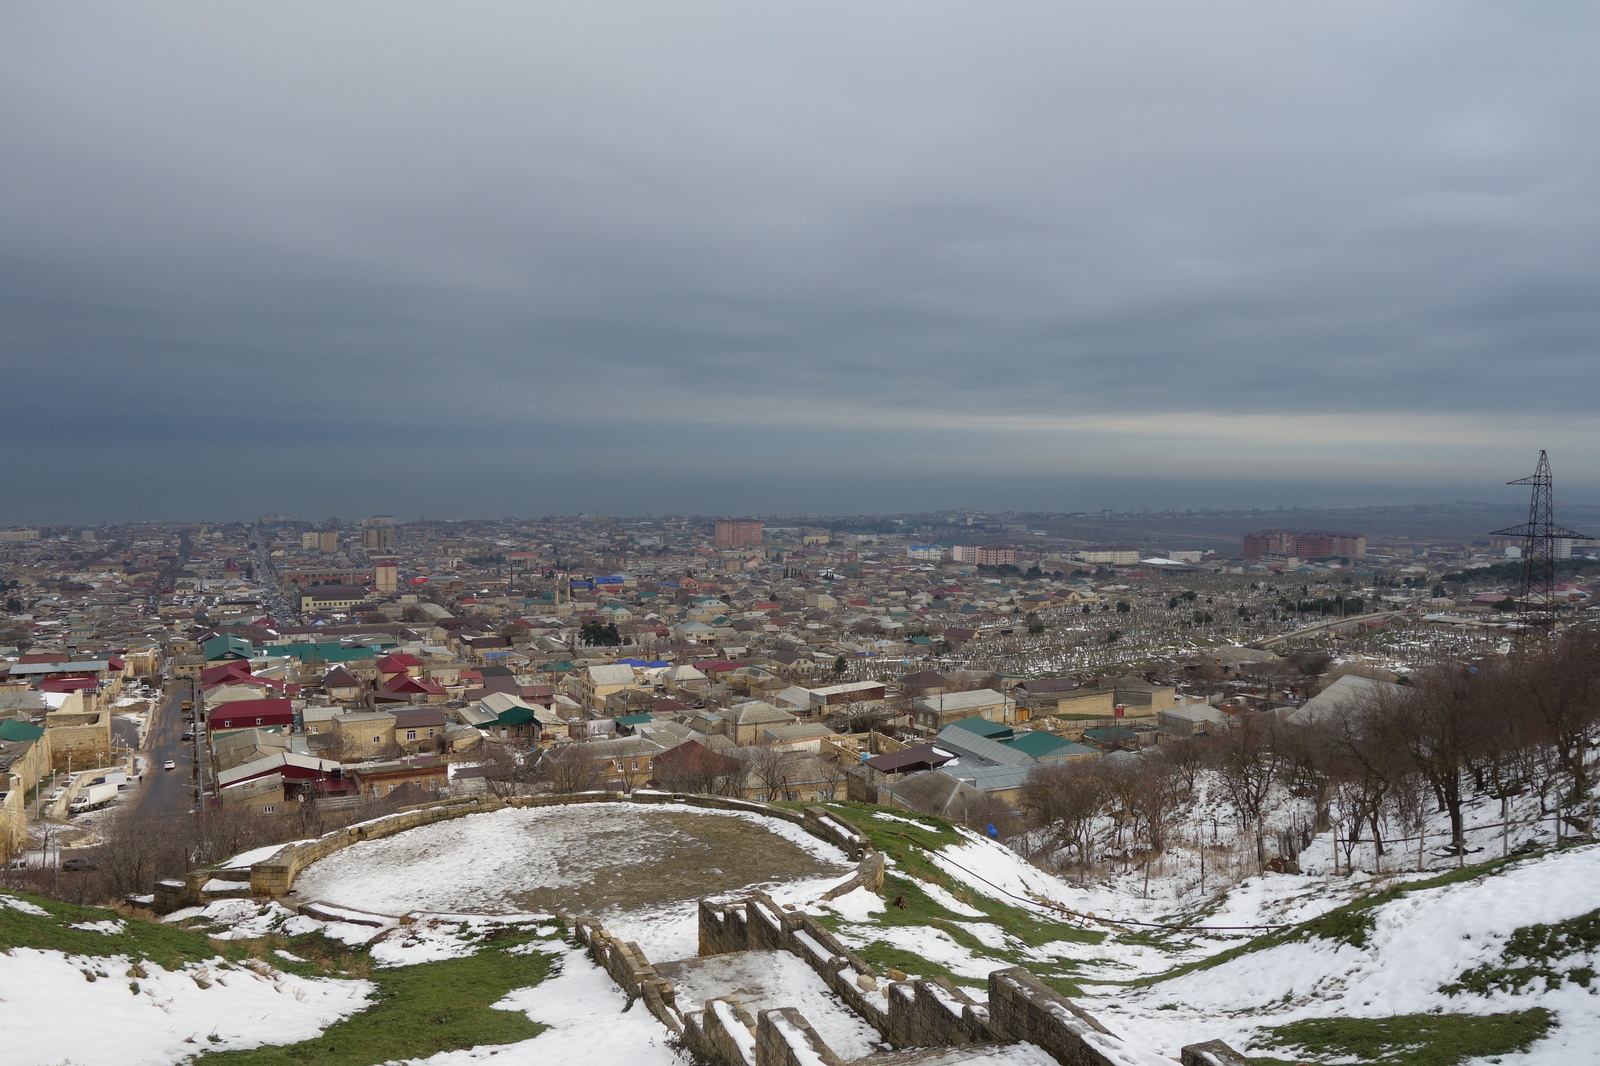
(377, 533)
(387, 575)
(1303, 544)
(737, 533)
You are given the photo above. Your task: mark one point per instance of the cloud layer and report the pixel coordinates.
(512, 254)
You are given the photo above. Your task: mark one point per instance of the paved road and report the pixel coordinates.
(168, 792)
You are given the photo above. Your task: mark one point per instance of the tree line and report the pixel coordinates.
(1372, 769)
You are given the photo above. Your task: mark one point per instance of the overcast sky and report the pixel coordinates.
(525, 258)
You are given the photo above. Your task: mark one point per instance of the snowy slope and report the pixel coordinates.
(1417, 943)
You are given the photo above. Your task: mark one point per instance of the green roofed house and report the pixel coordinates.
(1113, 737)
(985, 728)
(13, 731)
(227, 648)
(1047, 747)
(629, 722)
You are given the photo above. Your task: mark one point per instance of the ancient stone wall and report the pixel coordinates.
(918, 1013)
(275, 876)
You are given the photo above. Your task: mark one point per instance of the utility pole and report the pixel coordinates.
(1539, 535)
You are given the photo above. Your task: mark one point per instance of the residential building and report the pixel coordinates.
(1303, 544)
(737, 533)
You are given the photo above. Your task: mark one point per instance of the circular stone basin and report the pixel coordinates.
(640, 869)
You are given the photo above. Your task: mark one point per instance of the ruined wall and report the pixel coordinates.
(918, 1013)
(275, 876)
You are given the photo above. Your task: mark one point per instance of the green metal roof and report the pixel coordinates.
(984, 728)
(1039, 744)
(13, 730)
(516, 716)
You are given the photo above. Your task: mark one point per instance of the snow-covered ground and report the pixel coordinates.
(89, 1010)
(590, 1022)
(1423, 940)
(488, 863)
(763, 979)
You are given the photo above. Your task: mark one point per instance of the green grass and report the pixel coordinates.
(1410, 1039)
(885, 956)
(416, 1011)
(1350, 924)
(165, 945)
(908, 847)
(1534, 953)
(908, 903)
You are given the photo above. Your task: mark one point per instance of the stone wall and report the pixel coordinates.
(785, 1038)
(275, 876)
(918, 1013)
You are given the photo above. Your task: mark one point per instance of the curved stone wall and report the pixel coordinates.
(275, 877)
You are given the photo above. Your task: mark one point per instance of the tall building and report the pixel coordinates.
(1303, 544)
(737, 533)
(387, 575)
(377, 533)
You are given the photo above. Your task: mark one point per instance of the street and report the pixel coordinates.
(167, 793)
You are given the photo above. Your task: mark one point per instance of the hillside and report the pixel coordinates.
(1485, 960)
(1497, 959)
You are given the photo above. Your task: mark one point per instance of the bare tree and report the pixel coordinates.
(1188, 756)
(861, 717)
(568, 769)
(1439, 725)
(506, 771)
(1063, 800)
(1560, 689)
(771, 771)
(136, 851)
(1158, 798)
(1244, 762)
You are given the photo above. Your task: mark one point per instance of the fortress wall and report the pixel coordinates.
(274, 877)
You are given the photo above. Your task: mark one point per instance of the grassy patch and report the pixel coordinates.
(1411, 1039)
(165, 945)
(885, 956)
(907, 846)
(1350, 924)
(1535, 953)
(417, 1011)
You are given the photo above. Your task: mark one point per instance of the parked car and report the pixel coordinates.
(188, 736)
(79, 864)
(169, 765)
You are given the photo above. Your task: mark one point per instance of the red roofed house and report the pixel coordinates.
(272, 714)
(414, 689)
(399, 663)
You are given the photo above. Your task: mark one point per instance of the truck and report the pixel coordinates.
(93, 798)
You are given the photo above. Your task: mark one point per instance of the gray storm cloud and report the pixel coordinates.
(1350, 243)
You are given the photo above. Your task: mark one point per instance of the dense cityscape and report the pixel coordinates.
(337, 664)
